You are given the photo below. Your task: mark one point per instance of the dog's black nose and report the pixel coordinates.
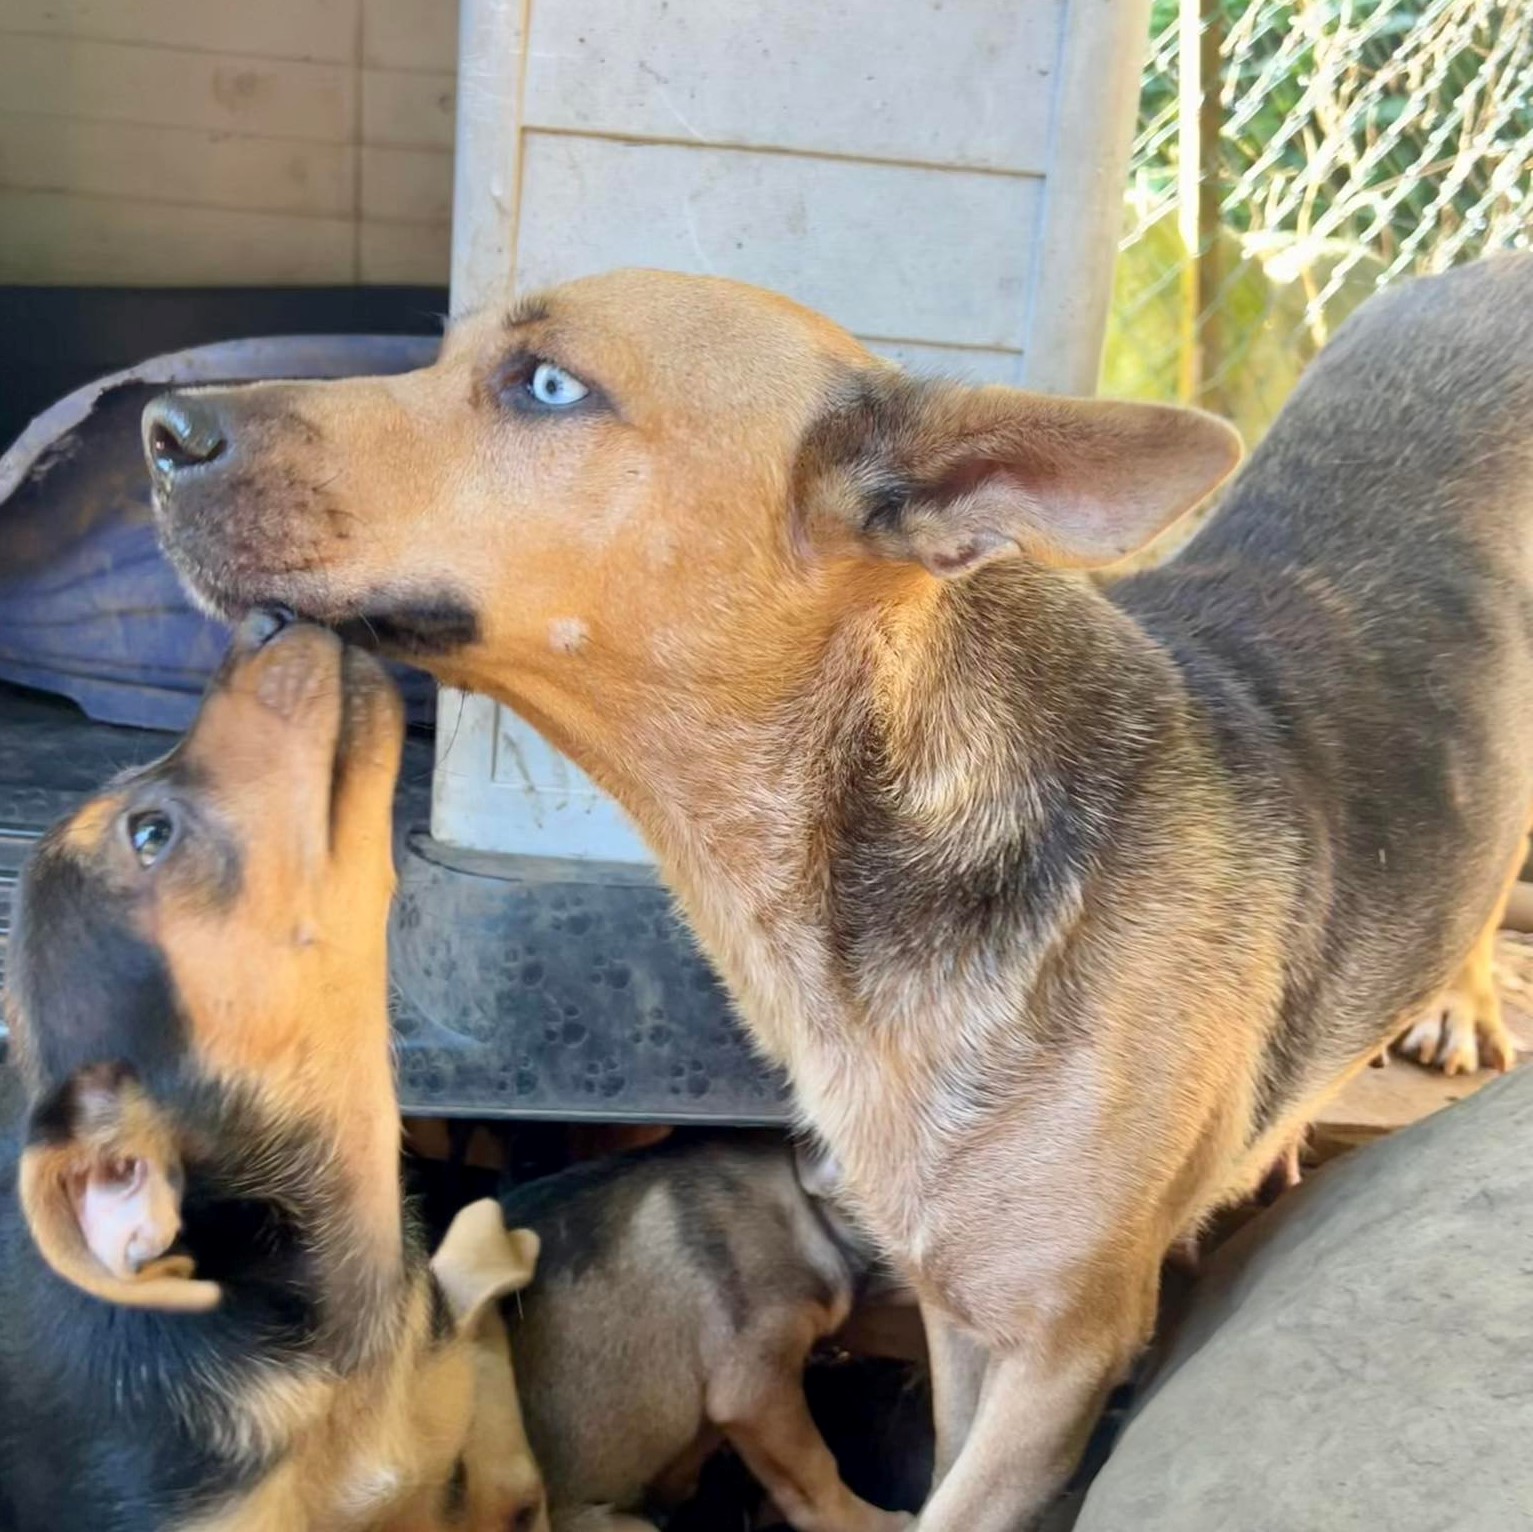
(182, 432)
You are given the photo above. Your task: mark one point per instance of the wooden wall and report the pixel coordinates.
(226, 142)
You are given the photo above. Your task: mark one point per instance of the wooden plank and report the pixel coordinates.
(800, 225)
(407, 185)
(974, 87)
(410, 34)
(190, 166)
(405, 252)
(165, 87)
(408, 110)
(319, 30)
(55, 237)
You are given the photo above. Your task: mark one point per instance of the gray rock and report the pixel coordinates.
(1361, 1358)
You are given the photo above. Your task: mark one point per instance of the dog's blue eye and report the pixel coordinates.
(555, 388)
(150, 832)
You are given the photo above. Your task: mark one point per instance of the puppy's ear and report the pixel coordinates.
(952, 477)
(480, 1261)
(101, 1183)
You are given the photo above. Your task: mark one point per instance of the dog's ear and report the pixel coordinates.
(953, 477)
(480, 1261)
(100, 1186)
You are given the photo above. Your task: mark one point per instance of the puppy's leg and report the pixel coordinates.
(958, 1363)
(757, 1400)
(1462, 1029)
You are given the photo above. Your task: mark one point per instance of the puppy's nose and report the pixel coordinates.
(182, 432)
(262, 625)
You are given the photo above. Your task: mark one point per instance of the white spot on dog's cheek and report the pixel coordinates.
(567, 634)
(660, 545)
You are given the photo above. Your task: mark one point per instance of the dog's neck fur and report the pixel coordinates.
(944, 726)
(272, 1213)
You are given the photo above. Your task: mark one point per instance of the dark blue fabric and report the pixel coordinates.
(89, 607)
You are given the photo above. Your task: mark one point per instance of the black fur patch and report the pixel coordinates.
(91, 988)
(705, 1235)
(988, 887)
(106, 1412)
(414, 629)
(100, 1423)
(443, 1326)
(455, 1495)
(578, 1214)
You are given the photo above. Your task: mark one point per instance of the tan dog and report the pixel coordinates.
(679, 1294)
(1064, 908)
(216, 1315)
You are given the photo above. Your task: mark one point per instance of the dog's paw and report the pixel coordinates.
(1460, 1032)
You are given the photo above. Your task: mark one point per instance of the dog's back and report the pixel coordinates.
(1358, 622)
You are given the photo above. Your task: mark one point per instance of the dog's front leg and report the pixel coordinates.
(1037, 1406)
(958, 1363)
(1029, 1432)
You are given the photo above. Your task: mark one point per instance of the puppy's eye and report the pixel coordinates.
(554, 388)
(149, 833)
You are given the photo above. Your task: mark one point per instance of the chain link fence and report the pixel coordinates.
(1292, 156)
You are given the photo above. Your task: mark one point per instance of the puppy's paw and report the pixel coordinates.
(1460, 1032)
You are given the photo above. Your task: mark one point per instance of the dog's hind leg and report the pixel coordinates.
(1463, 1028)
(758, 1402)
(958, 1363)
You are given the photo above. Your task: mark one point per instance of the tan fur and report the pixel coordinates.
(373, 1453)
(646, 1345)
(1463, 1025)
(283, 987)
(724, 642)
(750, 585)
(121, 1124)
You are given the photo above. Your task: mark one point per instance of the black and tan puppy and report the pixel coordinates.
(1063, 907)
(213, 1311)
(680, 1291)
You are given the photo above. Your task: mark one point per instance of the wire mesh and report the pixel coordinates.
(1292, 156)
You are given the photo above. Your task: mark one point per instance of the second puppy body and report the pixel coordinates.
(679, 1294)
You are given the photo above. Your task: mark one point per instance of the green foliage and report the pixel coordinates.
(1361, 140)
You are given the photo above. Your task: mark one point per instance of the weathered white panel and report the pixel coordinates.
(800, 225)
(942, 176)
(935, 81)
